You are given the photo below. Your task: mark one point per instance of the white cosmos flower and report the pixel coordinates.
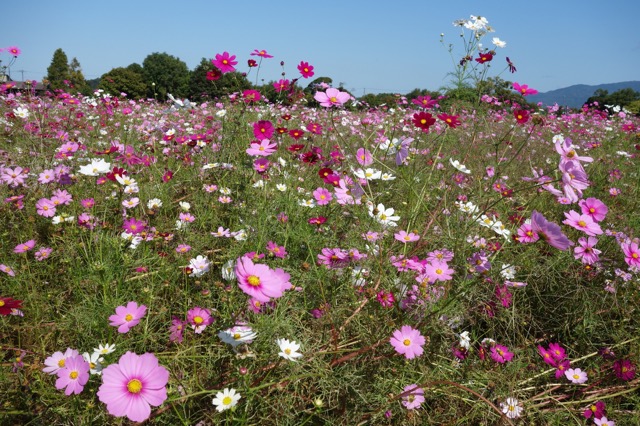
(511, 408)
(96, 167)
(460, 167)
(498, 43)
(384, 216)
(227, 398)
(288, 349)
(154, 203)
(21, 112)
(237, 335)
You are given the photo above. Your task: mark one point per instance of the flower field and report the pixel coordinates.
(242, 261)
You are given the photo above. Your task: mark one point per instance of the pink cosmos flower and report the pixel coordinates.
(549, 231)
(425, 101)
(547, 356)
(225, 62)
(501, 354)
(259, 281)
(7, 270)
(199, 318)
(276, 250)
(408, 342)
(594, 208)
(332, 97)
(582, 222)
(130, 387)
(305, 69)
(23, 247)
(603, 421)
(575, 375)
(262, 53)
(127, 317)
(263, 148)
(562, 367)
(524, 89)
(73, 376)
(322, 196)
(281, 85)
(364, 157)
(403, 237)
(631, 253)
(385, 299)
(414, 397)
(46, 176)
(58, 360)
(586, 252)
(14, 51)
(526, 234)
(177, 330)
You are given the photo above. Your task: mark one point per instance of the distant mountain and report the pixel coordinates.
(575, 96)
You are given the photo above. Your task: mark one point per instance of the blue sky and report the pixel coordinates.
(373, 46)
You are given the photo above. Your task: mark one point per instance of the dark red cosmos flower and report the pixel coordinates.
(512, 68)
(117, 171)
(7, 304)
(450, 120)
(296, 133)
(281, 130)
(324, 172)
(214, 74)
(521, 115)
(252, 63)
(624, 369)
(423, 120)
(484, 57)
(295, 147)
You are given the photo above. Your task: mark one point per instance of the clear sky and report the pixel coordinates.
(370, 46)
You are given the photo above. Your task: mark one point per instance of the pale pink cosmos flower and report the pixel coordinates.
(332, 97)
(405, 237)
(7, 270)
(549, 231)
(259, 281)
(408, 341)
(262, 148)
(12, 177)
(58, 360)
(438, 270)
(414, 397)
(127, 317)
(199, 318)
(576, 375)
(586, 252)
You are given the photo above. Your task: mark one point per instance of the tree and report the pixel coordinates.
(77, 78)
(58, 72)
(202, 89)
(165, 74)
(120, 80)
(621, 98)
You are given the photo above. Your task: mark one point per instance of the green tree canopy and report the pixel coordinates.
(77, 79)
(621, 98)
(59, 70)
(201, 89)
(165, 74)
(125, 80)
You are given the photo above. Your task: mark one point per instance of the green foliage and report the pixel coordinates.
(124, 80)
(164, 74)
(621, 98)
(201, 89)
(375, 100)
(78, 82)
(58, 71)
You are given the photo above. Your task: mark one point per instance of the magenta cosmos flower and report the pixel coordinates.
(199, 318)
(582, 222)
(130, 387)
(501, 354)
(259, 281)
(524, 89)
(225, 62)
(127, 316)
(408, 341)
(73, 376)
(549, 231)
(23, 247)
(305, 69)
(594, 208)
(332, 97)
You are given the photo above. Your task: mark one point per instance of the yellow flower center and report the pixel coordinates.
(61, 363)
(227, 400)
(634, 255)
(406, 342)
(333, 99)
(198, 319)
(576, 376)
(73, 375)
(438, 271)
(134, 386)
(287, 351)
(236, 336)
(253, 280)
(2, 303)
(128, 317)
(582, 223)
